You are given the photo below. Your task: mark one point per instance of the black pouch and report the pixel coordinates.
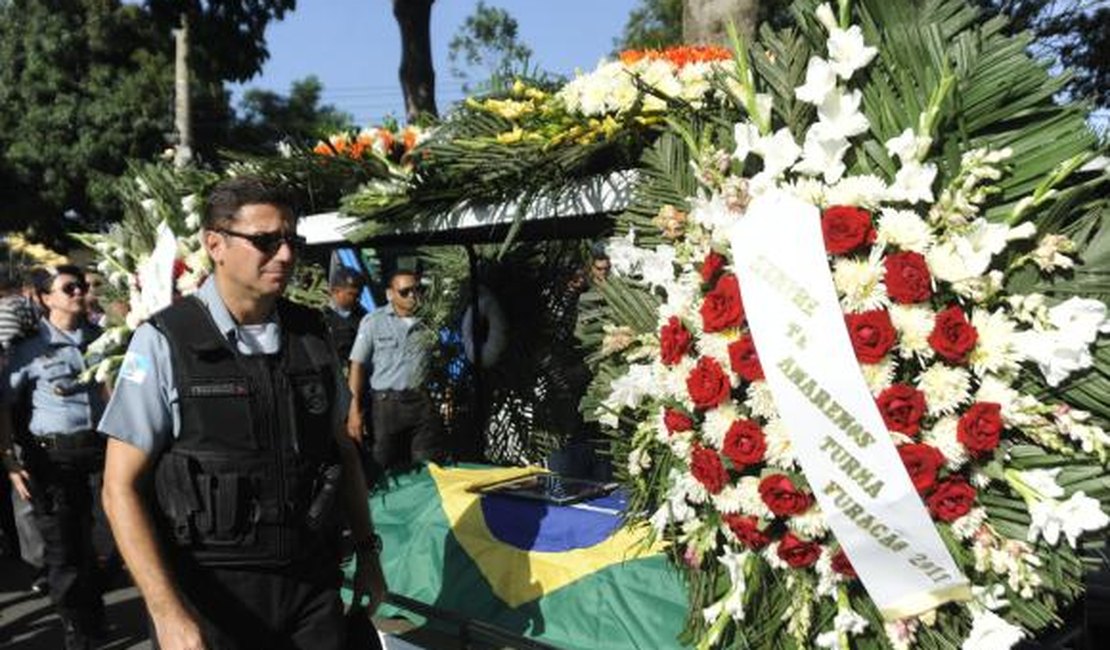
(361, 634)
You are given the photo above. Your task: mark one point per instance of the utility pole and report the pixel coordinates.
(181, 119)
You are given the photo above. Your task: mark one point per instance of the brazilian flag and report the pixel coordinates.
(569, 576)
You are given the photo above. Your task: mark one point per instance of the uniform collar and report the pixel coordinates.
(54, 336)
(209, 295)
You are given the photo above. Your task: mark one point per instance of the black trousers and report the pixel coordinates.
(406, 428)
(278, 609)
(63, 483)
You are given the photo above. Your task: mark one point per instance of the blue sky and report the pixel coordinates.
(354, 46)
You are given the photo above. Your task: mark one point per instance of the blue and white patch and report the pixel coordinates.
(135, 368)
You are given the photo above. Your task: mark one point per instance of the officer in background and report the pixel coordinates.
(392, 347)
(63, 456)
(232, 403)
(343, 313)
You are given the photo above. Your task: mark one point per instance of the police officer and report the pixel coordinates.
(231, 402)
(63, 457)
(392, 347)
(343, 313)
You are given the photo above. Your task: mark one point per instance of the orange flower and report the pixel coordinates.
(679, 56)
(410, 136)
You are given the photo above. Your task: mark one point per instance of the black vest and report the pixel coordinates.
(243, 483)
(343, 329)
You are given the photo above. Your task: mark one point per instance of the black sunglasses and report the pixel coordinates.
(408, 291)
(70, 288)
(267, 243)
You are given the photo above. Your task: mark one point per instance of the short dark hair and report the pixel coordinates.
(43, 279)
(226, 197)
(398, 272)
(346, 277)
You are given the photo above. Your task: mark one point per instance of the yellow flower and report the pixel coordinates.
(510, 137)
(508, 108)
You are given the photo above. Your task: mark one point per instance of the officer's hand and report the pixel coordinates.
(179, 632)
(369, 581)
(21, 481)
(354, 427)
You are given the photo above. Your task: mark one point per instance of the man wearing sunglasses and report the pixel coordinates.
(227, 450)
(63, 456)
(392, 348)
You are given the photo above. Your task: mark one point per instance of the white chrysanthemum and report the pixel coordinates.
(760, 401)
(945, 388)
(914, 323)
(901, 633)
(862, 191)
(771, 556)
(717, 423)
(680, 297)
(810, 190)
(751, 503)
(681, 443)
(993, 389)
(811, 524)
(859, 283)
(780, 448)
(965, 527)
(715, 345)
(943, 437)
(629, 389)
(879, 376)
(727, 500)
(996, 351)
(904, 229)
(671, 380)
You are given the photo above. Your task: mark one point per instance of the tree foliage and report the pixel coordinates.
(658, 23)
(267, 118)
(488, 40)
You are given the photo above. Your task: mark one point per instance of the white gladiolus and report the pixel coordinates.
(778, 151)
(822, 155)
(1079, 514)
(908, 146)
(848, 52)
(1065, 348)
(839, 115)
(904, 229)
(746, 135)
(989, 631)
(820, 81)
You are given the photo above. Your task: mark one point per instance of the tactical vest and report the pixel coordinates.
(251, 478)
(343, 329)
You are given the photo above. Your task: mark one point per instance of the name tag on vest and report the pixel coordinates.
(222, 389)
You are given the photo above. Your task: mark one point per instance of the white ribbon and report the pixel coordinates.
(839, 436)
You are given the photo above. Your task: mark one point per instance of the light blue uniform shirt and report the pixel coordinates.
(143, 411)
(393, 349)
(48, 365)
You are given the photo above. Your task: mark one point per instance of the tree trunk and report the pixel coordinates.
(418, 77)
(705, 22)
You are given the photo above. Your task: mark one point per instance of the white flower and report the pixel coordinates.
(914, 323)
(859, 283)
(1043, 481)
(967, 526)
(746, 135)
(715, 345)
(904, 229)
(727, 500)
(945, 388)
(657, 267)
(1049, 254)
(624, 256)
(1065, 348)
(826, 17)
(879, 376)
(761, 401)
(989, 631)
(628, 390)
(778, 151)
(780, 448)
(996, 351)
(809, 190)
(733, 601)
(811, 524)
(820, 81)
(714, 215)
(717, 423)
(993, 389)
(943, 437)
(638, 460)
(969, 256)
(908, 147)
(751, 503)
(839, 115)
(847, 51)
(822, 155)
(867, 191)
(914, 183)
(1073, 517)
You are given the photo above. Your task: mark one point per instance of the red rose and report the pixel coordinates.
(677, 421)
(953, 337)
(745, 359)
(706, 466)
(872, 334)
(980, 427)
(674, 341)
(747, 531)
(797, 552)
(922, 462)
(846, 229)
(179, 268)
(744, 443)
(713, 263)
(707, 384)
(842, 565)
(723, 307)
(907, 278)
(902, 408)
(951, 500)
(780, 495)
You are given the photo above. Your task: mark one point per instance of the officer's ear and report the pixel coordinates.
(214, 243)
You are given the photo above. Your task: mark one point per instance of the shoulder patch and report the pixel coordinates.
(135, 368)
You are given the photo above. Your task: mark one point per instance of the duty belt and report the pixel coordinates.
(407, 394)
(63, 441)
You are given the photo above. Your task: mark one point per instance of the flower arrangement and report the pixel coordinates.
(387, 142)
(932, 255)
